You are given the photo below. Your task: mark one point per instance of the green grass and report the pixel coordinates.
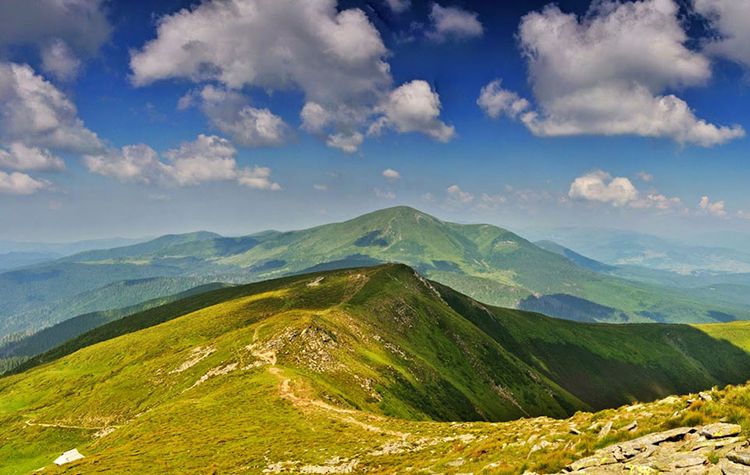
(488, 263)
(363, 357)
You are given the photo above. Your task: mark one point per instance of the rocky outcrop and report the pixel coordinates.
(718, 449)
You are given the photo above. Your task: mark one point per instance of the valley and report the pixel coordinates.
(485, 262)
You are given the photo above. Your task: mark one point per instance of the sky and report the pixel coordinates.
(142, 118)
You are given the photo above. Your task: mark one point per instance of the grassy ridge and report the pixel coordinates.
(340, 364)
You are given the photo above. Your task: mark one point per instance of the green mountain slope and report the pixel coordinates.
(24, 347)
(488, 263)
(241, 377)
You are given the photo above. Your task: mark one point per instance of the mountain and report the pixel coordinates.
(65, 248)
(13, 260)
(577, 259)
(488, 263)
(343, 370)
(15, 351)
(623, 248)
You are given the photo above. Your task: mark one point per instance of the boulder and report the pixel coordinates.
(720, 429)
(69, 456)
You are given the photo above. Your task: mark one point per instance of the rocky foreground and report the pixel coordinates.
(711, 449)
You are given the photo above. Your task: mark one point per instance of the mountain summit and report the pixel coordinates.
(486, 262)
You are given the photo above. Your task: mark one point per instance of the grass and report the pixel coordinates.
(366, 364)
(488, 263)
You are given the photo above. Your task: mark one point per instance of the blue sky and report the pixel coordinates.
(590, 124)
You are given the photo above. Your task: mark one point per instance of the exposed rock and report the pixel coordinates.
(605, 430)
(69, 456)
(684, 450)
(741, 457)
(720, 429)
(631, 427)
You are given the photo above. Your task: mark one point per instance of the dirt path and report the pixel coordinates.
(64, 426)
(286, 392)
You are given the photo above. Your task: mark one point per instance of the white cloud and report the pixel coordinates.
(731, 19)
(496, 101)
(456, 194)
(230, 112)
(337, 59)
(398, 6)
(453, 23)
(65, 31)
(658, 201)
(35, 112)
(712, 208)
(348, 143)
(258, 178)
(132, 163)
(320, 187)
(599, 186)
(21, 157)
(385, 194)
(602, 187)
(413, 107)
(207, 159)
(646, 177)
(491, 201)
(59, 60)
(607, 72)
(391, 174)
(20, 184)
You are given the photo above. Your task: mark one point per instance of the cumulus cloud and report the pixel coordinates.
(230, 112)
(496, 101)
(456, 194)
(391, 174)
(657, 201)
(64, 31)
(607, 72)
(337, 59)
(453, 23)
(346, 142)
(413, 107)
(21, 157)
(136, 163)
(712, 208)
(35, 112)
(600, 186)
(398, 6)
(207, 159)
(20, 184)
(731, 20)
(59, 60)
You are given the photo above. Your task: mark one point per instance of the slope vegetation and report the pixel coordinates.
(260, 377)
(488, 263)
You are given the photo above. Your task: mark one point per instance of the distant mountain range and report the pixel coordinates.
(628, 248)
(245, 378)
(488, 263)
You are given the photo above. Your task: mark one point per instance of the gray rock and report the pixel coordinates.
(731, 468)
(741, 457)
(720, 429)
